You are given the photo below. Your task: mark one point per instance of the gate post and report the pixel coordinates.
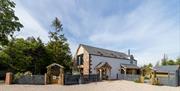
(62, 79)
(45, 79)
(9, 78)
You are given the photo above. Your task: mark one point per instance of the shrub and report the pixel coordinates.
(28, 73)
(155, 81)
(140, 80)
(137, 81)
(17, 76)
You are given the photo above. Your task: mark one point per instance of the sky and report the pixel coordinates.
(149, 28)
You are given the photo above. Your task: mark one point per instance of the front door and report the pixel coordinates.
(104, 75)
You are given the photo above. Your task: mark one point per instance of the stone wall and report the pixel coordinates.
(86, 64)
(34, 79)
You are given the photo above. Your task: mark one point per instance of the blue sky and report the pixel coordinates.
(149, 28)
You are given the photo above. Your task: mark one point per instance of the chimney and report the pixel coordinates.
(129, 52)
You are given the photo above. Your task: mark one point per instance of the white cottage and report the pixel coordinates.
(108, 64)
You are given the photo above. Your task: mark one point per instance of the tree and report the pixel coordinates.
(178, 61)
(14, 57)
(39, 54)
(9, 23)
(150, 65)
(26, 55)
(164, 60)
(171, 62)
(58, 45)
(147, 70)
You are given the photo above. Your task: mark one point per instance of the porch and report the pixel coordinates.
(129, 72)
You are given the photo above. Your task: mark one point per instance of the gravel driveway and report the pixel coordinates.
(120, 85)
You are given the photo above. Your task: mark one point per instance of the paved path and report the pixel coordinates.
(99, 86)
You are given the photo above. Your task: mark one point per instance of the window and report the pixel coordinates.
(80, 59)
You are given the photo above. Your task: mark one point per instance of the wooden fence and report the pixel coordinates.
(80, 79)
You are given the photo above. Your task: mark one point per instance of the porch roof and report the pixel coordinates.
(103, 64)
(130, 66)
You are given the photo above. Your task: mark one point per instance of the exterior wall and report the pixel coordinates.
(113, 62)
(80, 50)
(86, 64)
(90, 61)
(178, 77)
(169, 80)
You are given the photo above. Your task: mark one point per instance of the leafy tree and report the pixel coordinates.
(26, 55)
(58, 46)
(30, 54)
(171, 62)
(178, 61)
(164, 60)
(14, 57)
(9, 23)
(39, 54)
(147, 69)
(150, 65)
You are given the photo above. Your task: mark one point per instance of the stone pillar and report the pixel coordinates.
(9, 78)
(59, 79)
(45, 79)
(100, 75)
(125, 72)
(62, 79)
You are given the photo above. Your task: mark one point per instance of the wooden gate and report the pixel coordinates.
(55, 74)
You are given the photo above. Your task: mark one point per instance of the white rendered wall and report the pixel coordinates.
(113, 62)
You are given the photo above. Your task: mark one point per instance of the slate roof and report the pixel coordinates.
(104, 52)
(167, 68)
(130, 66)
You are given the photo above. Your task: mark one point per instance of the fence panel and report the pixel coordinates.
(34, 79)
(71, 79)
(129, 77)
(77, 79)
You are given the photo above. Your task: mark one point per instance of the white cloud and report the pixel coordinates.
(31, 26)
(147, 29)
